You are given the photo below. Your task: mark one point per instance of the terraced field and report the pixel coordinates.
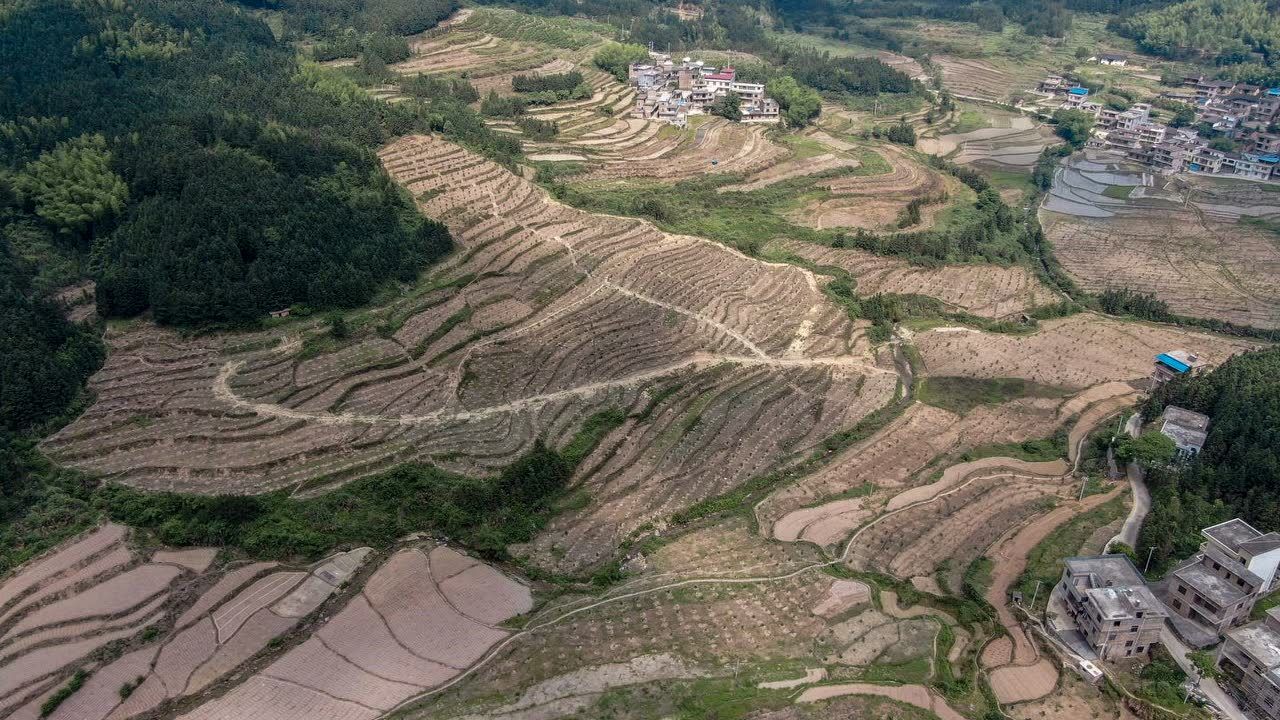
(1114, 226)
(979, 289)
(559, 314)
(875, 201)
(731, 372)
(1011, 142)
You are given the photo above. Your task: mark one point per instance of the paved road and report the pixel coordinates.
(1141, 496)
(1210, 688)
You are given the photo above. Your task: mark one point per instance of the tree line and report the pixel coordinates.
(199, 169)
(1236, 474)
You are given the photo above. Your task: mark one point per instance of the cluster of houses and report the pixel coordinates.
(1104, 602)
(670, 91)
(1246, 114)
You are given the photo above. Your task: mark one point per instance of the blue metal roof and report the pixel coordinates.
(1273, 91)
(1079, 91)
(1174, 363)
(1269, 158)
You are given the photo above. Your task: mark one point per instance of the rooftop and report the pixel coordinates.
(1186, 418)
(1105, 570)
(1232, 533)
(1124, 602)
(1265, 543)
(1172, 362)
(1222, 592)
(1260, 641)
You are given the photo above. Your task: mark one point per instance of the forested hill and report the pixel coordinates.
(1242, 36)
(180, 154)
(1238, 472)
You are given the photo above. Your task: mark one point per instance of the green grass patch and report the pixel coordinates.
(1118, 192)
(912, 671)
(1264, 604)
(968, 120)
(962, 394)
(1044, 562)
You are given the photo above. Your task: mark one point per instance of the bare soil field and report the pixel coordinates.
(93, 604)
(422, 616)
(1184, 241)
(1087, 350)
(986, 290)
(983, 80)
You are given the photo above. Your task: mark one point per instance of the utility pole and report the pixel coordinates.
(1034, 595)
(1083, 480)
(1150, 550)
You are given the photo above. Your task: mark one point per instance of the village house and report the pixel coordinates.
(1111, 606)
(1173, 363)
(1217, 587)
(1250, 663)
(1187, 429)
(672, 92)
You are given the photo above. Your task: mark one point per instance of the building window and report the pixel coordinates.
(1115, 624)
(1141, 649)
(1216, 566)
(1182, 590)
(1133, 629)
(1177, 604)
(1140, 614)
(1128, 643)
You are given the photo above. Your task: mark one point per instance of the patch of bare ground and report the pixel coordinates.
(876, 201)
(985, 290)
(93, 604)
(1074, 699)
(980, 79)
(475, 53)
(419, 619)
(502, 83)
(1200, 266)
(1014, 143)
(1076, 352)
(916, 695)
(578, 690)
(555, 314)
(704, 626)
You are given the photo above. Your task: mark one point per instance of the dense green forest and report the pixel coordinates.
(194, 167)
(44, 362)
(1242, 36)
(1237, 474)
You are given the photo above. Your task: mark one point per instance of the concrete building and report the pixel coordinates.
(1171, 364)
(1116, 60)
(1185, 428)
(1111, 606)
(1250, 661)
(1256, 550)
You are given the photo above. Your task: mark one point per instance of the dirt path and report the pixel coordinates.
(917, 695)
(1010, 559)
(223, 391)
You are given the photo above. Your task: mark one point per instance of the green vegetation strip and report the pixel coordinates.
(486, 514)
(962, 394)
(1044, 562)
